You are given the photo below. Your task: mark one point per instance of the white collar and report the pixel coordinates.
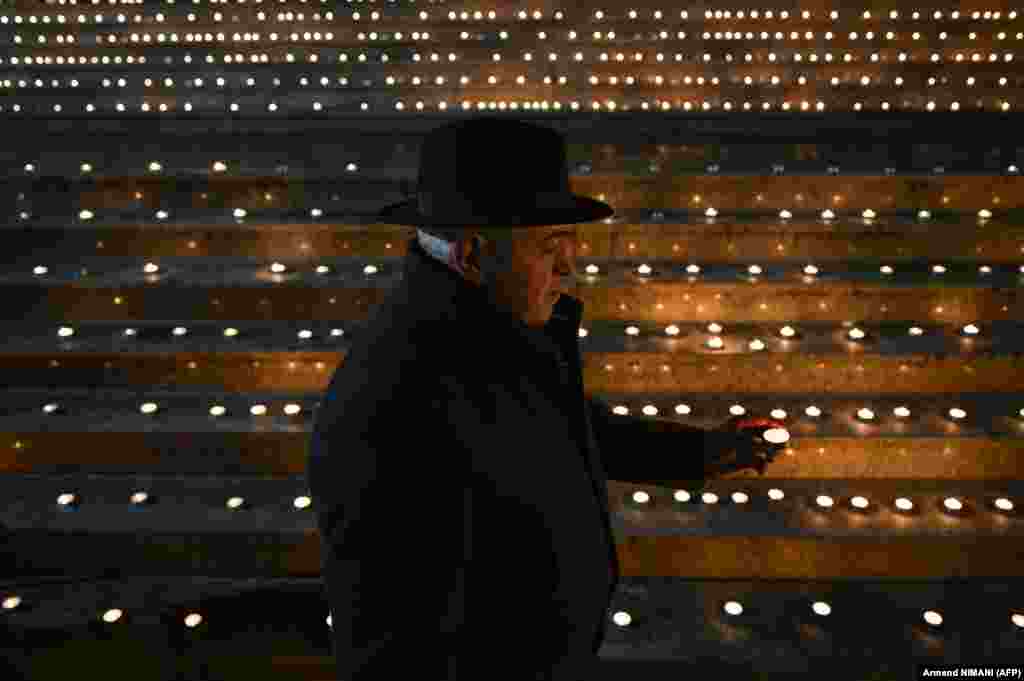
(439, 249)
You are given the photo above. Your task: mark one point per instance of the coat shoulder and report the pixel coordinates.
(394, 355)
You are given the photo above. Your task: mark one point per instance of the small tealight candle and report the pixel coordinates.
(776, 435)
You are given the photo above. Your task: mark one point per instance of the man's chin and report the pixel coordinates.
(539, 320)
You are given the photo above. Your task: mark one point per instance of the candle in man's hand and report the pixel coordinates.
(776, 435)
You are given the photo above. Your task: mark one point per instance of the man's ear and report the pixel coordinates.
(473, 256)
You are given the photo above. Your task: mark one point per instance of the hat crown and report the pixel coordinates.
(488, 158)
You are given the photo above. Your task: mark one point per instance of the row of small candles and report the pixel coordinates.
(858, 502)
(255, 38)
(827, 214)
(522, 15)
(865, 81)
(863, 414)
(591, 269)
(640, 499)
(714, 343)
(822, 608)
(585, 168)
(535, 105)
(621, 618)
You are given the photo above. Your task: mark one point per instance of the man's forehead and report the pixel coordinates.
(530, 234)
(561, 231)
(544, 233)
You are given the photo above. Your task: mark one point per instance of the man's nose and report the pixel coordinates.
(565, 264)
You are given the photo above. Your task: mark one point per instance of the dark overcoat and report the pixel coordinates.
(459, 477)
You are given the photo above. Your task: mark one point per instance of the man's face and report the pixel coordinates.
(530, 270)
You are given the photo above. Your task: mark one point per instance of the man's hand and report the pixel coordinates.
(743, 443)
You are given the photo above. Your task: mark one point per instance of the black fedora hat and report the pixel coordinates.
(487, 171)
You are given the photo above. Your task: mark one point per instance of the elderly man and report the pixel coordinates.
(458, 470)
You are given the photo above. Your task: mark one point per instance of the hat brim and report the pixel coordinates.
(584, 210)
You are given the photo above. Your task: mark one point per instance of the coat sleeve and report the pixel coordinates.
(393, 578)
(653, 451)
